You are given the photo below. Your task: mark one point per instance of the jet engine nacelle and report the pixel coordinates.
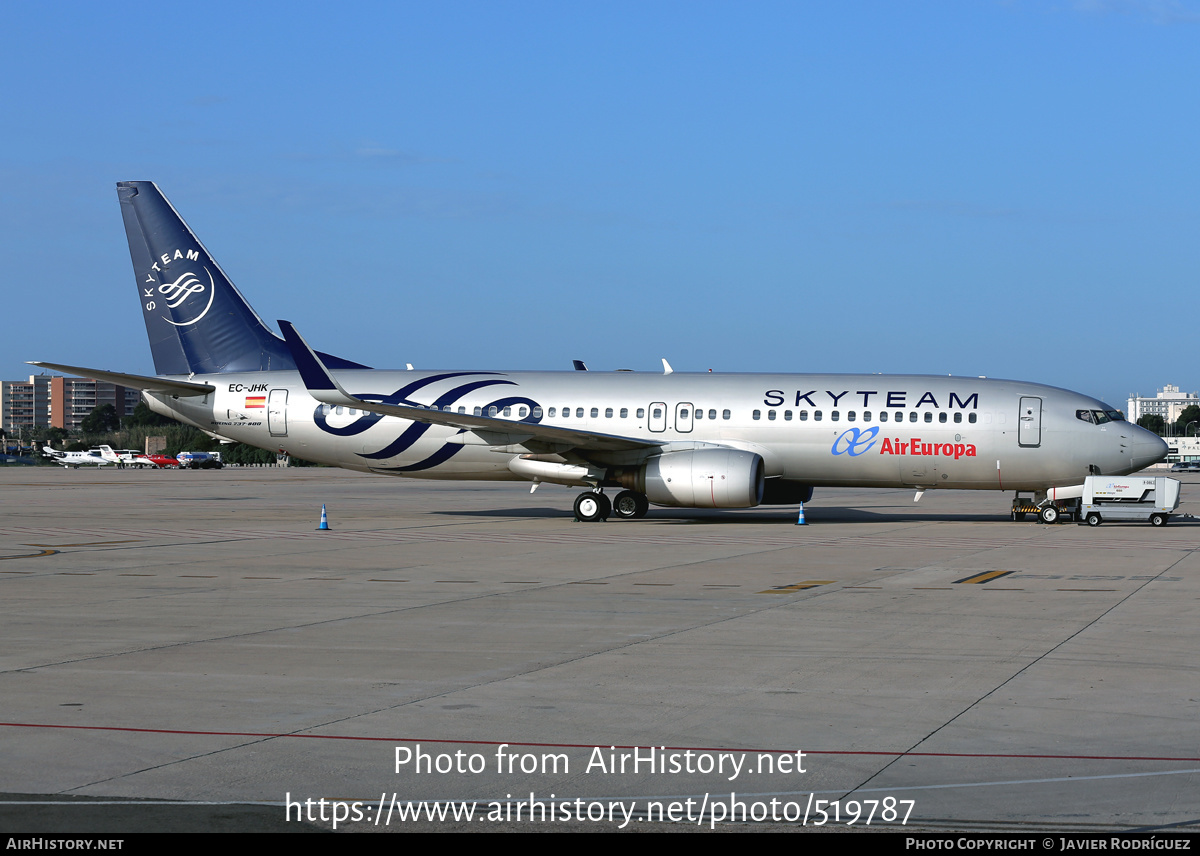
(706, 478)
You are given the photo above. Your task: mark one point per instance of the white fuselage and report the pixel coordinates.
(824, 430)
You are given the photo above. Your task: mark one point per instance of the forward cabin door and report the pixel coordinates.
(1029, 430)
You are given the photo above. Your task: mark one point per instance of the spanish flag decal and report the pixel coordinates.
(259, 401)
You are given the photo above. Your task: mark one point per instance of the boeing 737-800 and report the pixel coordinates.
(672, 439)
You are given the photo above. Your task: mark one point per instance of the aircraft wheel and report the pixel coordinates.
(1093, 519)
(1049, 514)
(630, 505)
(1158, 520)
(590, 507)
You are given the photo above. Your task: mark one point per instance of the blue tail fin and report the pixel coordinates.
(196, 318)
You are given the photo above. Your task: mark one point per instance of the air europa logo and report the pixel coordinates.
(916, 447)
(854, 442)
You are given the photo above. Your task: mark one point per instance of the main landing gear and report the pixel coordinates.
(594, 505)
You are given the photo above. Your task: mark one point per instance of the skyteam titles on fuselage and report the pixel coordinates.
(894, 399)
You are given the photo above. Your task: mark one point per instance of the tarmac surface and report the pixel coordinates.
(183, 650)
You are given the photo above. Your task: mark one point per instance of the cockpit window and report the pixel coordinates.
(1101, 417)
(1115, 415)
(1085, 415)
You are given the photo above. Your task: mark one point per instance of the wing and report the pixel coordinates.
(324, 387)
(181, 388)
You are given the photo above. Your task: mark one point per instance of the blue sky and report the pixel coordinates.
(981, 188)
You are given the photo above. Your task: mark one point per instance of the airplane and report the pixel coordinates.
(90, 458)
(134, 458)
(675, 439)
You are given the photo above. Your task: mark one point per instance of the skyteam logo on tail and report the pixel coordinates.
(177, 292)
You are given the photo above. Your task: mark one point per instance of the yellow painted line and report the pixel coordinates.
(797, 587)
(89, 543)
(32, 555)
(980, 579)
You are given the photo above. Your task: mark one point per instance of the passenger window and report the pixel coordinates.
(787, 416)
(866, 416)
(551, 413)
(507, 412)
(958, 417)
(834, 415)
(757, 414)
(578, 412)
(655, 414)
(816, 416)
(883, 416)
(699, 413)
(595, 412)
(624, 412)
(351, 412)
(928, 416)
(912, 416)
(523, 412)
(478, 412)
(803, 415)
(338, 410)
(725, 414)
(492, 410)
(608, 413)
(712, 414)
(850, 416)
(641, 412)
(683, 414)
(462, 409)
(941, 417)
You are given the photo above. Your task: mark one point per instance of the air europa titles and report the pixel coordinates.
(892, 398)
(856, 441)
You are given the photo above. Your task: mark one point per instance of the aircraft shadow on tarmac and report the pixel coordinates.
(824, 516)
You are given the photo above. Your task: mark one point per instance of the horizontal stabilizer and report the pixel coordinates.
(133, 381)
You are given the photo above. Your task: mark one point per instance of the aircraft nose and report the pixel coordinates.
(1146, 447)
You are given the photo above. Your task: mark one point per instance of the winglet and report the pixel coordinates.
(667, 366)
(320, 383)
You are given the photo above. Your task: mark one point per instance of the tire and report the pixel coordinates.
(630, 505)
(1093, 519)
(1049, 514)
(1158, 520)
(590, 507)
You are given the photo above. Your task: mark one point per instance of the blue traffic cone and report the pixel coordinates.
(325, 520)
(801, 522)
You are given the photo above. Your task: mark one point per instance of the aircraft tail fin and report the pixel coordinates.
(197, 320)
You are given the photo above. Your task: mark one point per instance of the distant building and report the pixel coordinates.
(1168, 404)
(25, 405)
(50, 401)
